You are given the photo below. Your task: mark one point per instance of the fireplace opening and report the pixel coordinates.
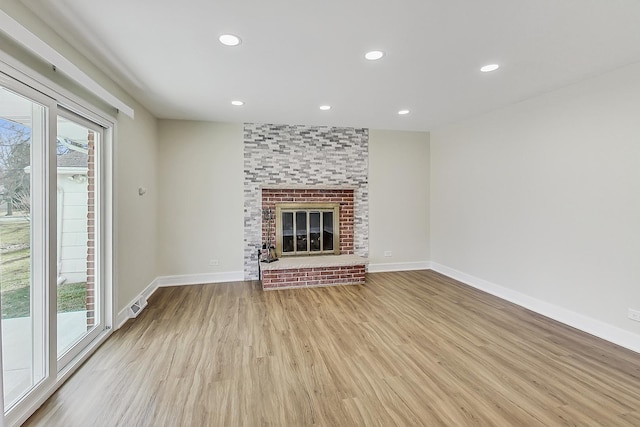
(307, 229)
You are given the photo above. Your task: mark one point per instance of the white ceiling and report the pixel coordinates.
(299, 54)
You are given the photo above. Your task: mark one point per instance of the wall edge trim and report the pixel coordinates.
(200, 279)
(398, 266)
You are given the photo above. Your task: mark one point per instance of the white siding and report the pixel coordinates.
(73, 248)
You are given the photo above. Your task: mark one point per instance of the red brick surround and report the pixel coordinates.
(309, 277)
(91, 232)
(344, 197)
(279, 275)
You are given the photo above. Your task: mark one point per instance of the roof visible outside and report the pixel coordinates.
(73, 159)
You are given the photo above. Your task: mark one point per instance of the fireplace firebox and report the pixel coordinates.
(307, 229)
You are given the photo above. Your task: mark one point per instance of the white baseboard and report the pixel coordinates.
(179, 280)
(199, 279)
(398, 266)
(586, 324)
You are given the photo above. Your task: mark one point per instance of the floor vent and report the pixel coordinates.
(137, 306)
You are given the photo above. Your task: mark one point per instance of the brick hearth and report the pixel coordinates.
(301, 272)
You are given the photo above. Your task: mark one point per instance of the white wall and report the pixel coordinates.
(202, 206)
(136, 216)
(398, 200)
(543, 198)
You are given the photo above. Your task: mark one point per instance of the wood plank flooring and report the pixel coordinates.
(407, 349)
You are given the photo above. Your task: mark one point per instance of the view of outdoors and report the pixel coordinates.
(15, 270)
(23, 342)
(23, 281)
(14, 226)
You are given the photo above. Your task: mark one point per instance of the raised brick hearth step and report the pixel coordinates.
(302, 272)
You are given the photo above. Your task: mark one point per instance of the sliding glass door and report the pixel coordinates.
(79, 294)
(52, 245)
(23, 251)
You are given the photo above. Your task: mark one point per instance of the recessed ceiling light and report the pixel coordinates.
(237, 103)
(374, 55)
(403, 112)
(489, 68)
(229, 40)
(325, 107)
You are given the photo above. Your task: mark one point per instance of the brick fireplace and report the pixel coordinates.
(313, 270)
(306, 164)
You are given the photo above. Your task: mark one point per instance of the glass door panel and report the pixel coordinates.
(327, 231)
(287, 232)
(314, 231)
(23, 283)
(301, 232)
(78, 312)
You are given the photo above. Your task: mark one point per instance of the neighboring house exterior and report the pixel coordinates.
(72, 217)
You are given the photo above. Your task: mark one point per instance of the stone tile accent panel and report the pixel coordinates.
(297, 156)
(271, 197)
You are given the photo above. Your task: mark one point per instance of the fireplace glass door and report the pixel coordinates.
(307, 230)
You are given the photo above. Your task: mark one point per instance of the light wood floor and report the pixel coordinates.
(411, 348)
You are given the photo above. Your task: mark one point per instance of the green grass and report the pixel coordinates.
(15, 272)
(14, 255)
(15, 269)
(14, 232)
(72, 297)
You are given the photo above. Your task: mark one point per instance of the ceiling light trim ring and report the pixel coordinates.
(374, 55)
(489, 68)
(229, 39)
